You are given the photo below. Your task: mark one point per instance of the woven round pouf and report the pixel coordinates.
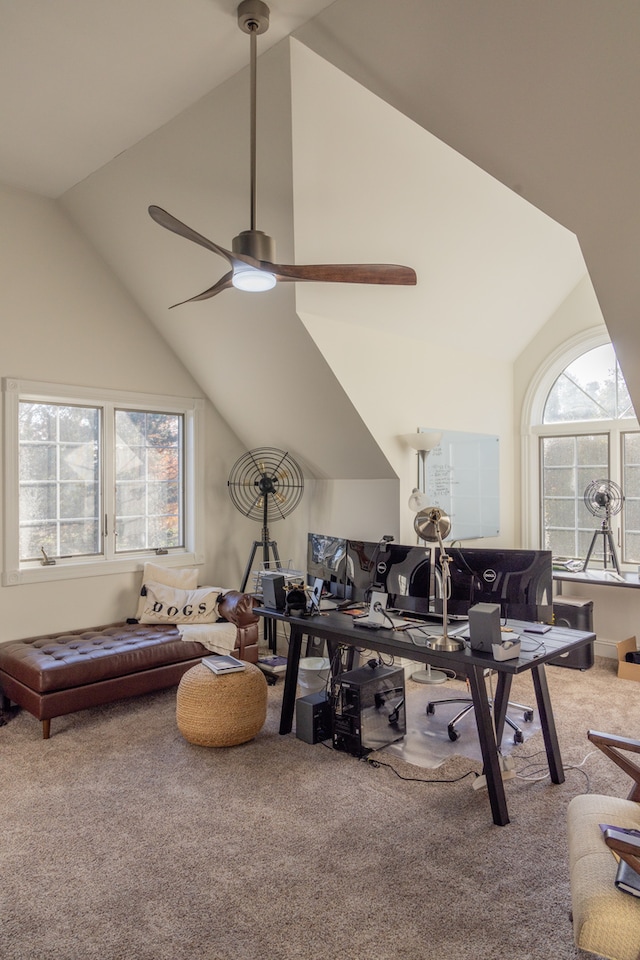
(221, 710)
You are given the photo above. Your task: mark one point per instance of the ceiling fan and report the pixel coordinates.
(252, 253)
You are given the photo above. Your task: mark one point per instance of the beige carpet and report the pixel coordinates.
(121, 840)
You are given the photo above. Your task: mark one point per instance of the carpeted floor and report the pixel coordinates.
(122, 840)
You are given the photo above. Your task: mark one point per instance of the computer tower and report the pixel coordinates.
(577, 614)
(368, 708)
(313, 717)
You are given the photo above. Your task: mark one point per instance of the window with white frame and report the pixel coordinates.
(96, 478)
(586, 430)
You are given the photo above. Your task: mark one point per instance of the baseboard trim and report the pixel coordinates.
(605, 648)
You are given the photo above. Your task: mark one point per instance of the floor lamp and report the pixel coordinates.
(423, 442)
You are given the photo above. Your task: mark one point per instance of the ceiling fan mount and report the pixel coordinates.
(253, 16)
(252, 254)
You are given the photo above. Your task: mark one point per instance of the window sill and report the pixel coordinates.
(64, 570)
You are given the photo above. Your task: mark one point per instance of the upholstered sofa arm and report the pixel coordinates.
(613, 746)
(237, 608)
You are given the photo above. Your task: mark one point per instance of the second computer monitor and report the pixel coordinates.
(521, 581)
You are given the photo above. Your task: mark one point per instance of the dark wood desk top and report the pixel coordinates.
(536, 648)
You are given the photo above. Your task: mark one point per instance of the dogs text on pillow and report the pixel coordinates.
(163, 604)
(183, 579)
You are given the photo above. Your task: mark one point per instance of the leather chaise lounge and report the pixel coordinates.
(57, 674)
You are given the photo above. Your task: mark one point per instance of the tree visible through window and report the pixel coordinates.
(148, 480)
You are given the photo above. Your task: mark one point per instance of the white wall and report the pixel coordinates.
(66, 319)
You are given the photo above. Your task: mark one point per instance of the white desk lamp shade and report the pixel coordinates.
(424, 441)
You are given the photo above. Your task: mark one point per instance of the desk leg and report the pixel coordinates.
(501, 704)
(291, 680)
(495, 785)
(547, 723)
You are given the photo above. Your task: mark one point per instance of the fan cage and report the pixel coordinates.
(266, 484)
(603, 498)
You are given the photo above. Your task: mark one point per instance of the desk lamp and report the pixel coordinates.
(432, 524)
(423, 442)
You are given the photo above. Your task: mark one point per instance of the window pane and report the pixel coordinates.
(560, 481)
(133, 533)
(590, 388)
(131, 499)
(560, 513)
(568, 465)
(78, 500)
(37, 501)
(79, 461)
(632, 545)
(37, 421)
(35, 536)
(78, 538)
(593, 450)
(38, 462)
(559, 451)
(59, 477)
(631, 491)
(149, 485)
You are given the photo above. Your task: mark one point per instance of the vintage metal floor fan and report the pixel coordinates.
(265, 484)
(603, 499)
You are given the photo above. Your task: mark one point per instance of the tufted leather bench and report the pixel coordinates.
(60, 673)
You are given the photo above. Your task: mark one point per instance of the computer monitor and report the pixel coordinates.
(403, 572)
(521, 581)
(326, 558)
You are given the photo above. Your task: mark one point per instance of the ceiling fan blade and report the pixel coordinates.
(222, 284)
(177, 226)
(389, 273)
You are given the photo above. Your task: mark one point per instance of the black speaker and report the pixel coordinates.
(577, 614)
(273, 595)
(484, 626)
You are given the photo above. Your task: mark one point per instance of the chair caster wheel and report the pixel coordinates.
(518, 737)
(431, 707)
(528, 716)
(453, 734)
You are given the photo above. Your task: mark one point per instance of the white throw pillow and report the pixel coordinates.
(163, 604)
(183, 579)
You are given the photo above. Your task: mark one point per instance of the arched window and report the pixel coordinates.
(587, 431)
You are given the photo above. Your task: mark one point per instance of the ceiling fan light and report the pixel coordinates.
(253, 281)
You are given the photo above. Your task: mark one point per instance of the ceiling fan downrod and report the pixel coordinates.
(253, 18)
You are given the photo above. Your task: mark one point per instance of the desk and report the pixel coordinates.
(597, 577)
(339, 628)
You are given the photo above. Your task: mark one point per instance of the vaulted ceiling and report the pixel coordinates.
(541, 96)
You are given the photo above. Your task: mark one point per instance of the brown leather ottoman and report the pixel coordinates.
(57, 674)
(53, 675)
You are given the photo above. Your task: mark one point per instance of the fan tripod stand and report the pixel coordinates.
(605, 533)
(266, 545)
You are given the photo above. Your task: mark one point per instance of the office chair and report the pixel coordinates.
(518, 736)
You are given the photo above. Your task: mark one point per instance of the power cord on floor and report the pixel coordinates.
(544, 770)
(379, 763)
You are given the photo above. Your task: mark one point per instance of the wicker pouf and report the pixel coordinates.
(221, 711)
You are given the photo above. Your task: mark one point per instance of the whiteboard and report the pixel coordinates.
(462, 478)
